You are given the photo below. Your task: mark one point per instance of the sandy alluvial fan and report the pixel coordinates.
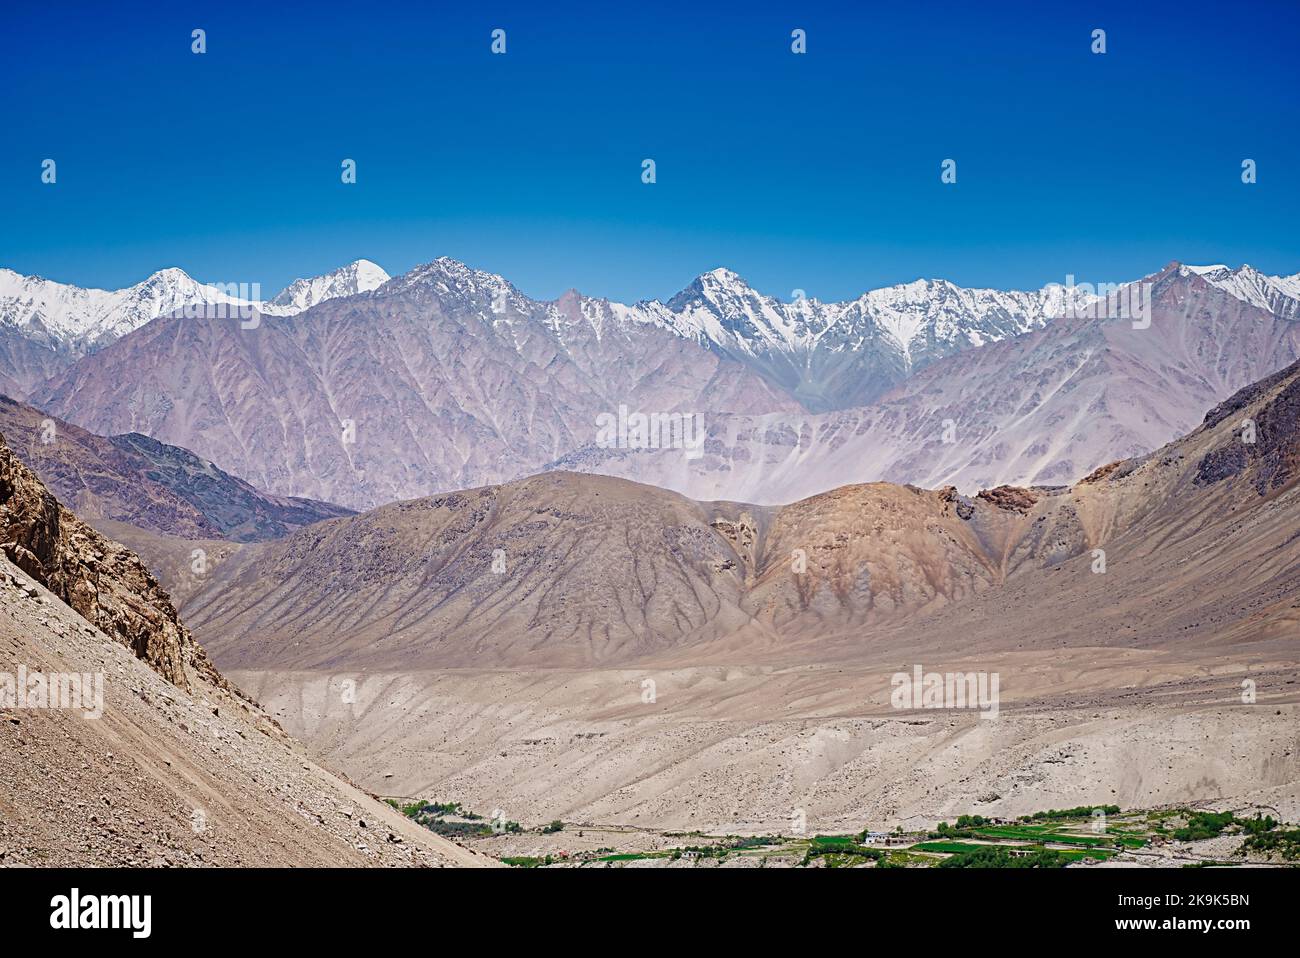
(157, 759)
(515, 627)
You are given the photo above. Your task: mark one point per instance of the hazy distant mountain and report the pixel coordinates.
(827, 355)
(441, 378)
(836, 355)
(448, 377)
(1278, 294)
(26, 364)
(81, 319)
(44, 325)
(1046, 407)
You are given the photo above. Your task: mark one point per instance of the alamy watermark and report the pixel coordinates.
(949, 690)
(74, 911)
(656, 430)
(1131, 301)
(241, 301)
(53, 690)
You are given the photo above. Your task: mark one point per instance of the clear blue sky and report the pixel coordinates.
(818, 172)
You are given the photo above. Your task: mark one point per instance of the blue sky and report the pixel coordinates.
(819, 172)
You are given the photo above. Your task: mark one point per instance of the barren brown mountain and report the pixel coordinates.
(563, 569)
(647, 659)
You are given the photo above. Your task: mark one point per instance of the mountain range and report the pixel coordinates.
(587, 649)
(1278, 294)
(45, 325)
(1045, 407)
(438, 378)
(501, 635)
(565, 570)
(448, 377)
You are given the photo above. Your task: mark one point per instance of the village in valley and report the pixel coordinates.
(1077, 838)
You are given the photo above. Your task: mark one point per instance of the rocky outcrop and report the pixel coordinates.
(1267, 442)
(1102, 472)
(1009, 497)
(103, 581)
(130, 771)
(964, 507)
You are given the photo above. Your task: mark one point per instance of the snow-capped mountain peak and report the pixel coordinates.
(826, 354)
(360, 276)
(1277, 294)
(72, 320)
(724, 278)
(62, 315)
(464, 288)
(447, 274)
(723, 309)
(805, 343)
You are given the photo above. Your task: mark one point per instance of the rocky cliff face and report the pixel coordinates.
(174, 766)
(101, 580)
